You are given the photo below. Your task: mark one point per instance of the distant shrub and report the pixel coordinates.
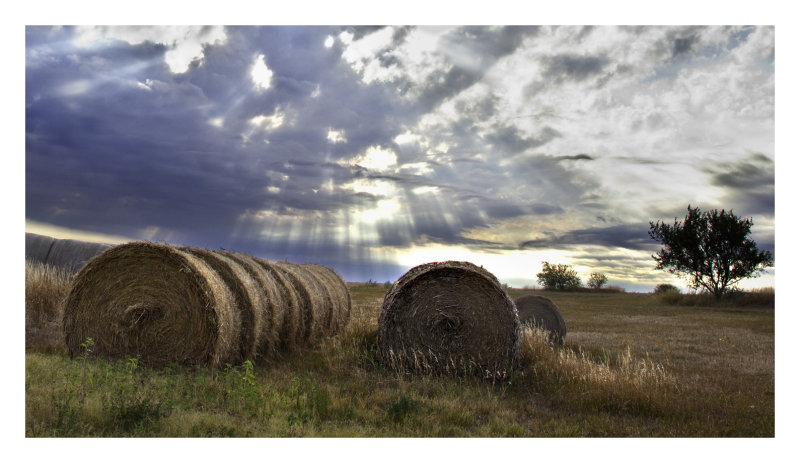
(559, 276)
(666, 288)
(596, 280)
(755, 298)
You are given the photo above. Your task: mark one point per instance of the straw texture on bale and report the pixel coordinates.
(67, 254)
(252, 297)
(337, 296)
(195, 306)
(541, 312)
(449, 317)
(290, 320)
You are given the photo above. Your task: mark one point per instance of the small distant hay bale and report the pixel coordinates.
(542, 313)
(37, 247)
(155, 301)
(74, 254)
(70, 255)
(449, 317)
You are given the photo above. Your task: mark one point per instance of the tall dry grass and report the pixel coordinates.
(46, 291)
(586, 381)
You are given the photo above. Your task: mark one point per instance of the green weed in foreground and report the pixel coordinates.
(631, 366)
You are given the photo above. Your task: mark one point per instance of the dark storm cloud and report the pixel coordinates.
(683, 45)
(749, 185)
(677, 43)
(755, 172)
(544, 209)
(630, 236)
(509, 139)
(135, 150)
(574, 67)
(577, 157)
(116, 157)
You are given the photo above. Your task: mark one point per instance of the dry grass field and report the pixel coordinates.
(632, 365)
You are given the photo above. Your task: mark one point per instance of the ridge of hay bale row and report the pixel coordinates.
(449, 317)
(63, 253)
(542, 313)
(199, 307)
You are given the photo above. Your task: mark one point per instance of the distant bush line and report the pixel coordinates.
(757, 298)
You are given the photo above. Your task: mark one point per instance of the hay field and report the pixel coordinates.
(632, 365)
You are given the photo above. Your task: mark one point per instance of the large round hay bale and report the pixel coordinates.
(73, 254)
(449, 317)
(155, 301)
(542, 313)
(37, 247)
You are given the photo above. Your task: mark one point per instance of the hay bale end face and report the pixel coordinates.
(541, 312)
(449, 317)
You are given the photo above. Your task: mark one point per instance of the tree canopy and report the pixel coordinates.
(559, 276)
(712, 249)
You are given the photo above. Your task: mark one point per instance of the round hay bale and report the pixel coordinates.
(73, 254)
(449, 317)
(267, 302)
(155, 301)
(542, 313)
(37, 247)
(338, 295)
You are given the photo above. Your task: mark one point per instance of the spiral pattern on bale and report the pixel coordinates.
(449, 317)
(542, 313)
(198, 307)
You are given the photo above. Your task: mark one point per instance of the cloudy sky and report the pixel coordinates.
(375, 149)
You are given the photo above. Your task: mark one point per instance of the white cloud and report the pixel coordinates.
(184, 43)
(374, 158)
(415, 59)
(269, 123)
(336, 136)
(261, 74)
